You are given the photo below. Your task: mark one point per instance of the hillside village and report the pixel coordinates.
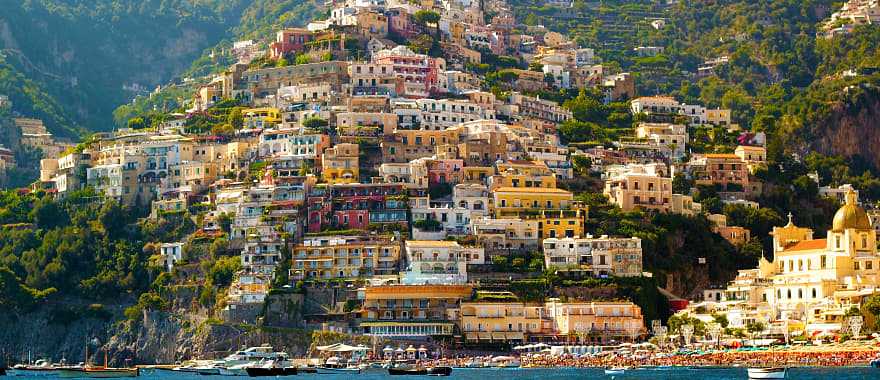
(407, 170)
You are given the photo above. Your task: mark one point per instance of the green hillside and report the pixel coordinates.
(71, 63)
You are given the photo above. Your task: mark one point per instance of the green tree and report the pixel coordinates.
(315, 123)
(137, 123)
(235, 118)
(424, 17)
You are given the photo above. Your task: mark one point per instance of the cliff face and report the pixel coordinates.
(55, 332)
(852, 128)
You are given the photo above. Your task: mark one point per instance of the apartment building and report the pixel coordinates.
(411, 311)
(514, 200)
(600, 256)
(673, 135)
(642, 186)
(438, 262)
(339, 164)
(344, 257)
(418, 71)
(437, 114)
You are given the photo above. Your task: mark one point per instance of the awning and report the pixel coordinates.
(484, 336)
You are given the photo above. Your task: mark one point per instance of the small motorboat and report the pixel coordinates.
(271, 371)
(236, 370)
(420, 371)
(615, 371)
(336, 365)
(407, 371)
(39, 368)
(439, 371)
(767, 373)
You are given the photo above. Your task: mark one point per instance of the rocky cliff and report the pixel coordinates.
(852, 128)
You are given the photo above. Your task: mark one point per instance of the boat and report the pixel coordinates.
(614, 371)
(767, 373)
(39, 368)
(336, 365)
(505, 362)
(420, 371)
(407, 371)
(331, 370)
(439, 371)
(307, 370)
(258, 371)
(98, 372)
(236, 370)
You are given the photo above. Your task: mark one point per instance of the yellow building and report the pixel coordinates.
(414, 311)
(344, 257)
(513, 200)
(261, 118)
(339, 164)
(523, 174)
(511, 322)
(815, 281)
(562, 223)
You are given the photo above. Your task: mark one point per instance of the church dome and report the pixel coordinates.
(851, 216)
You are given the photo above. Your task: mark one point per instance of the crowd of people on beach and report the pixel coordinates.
(726, 358)
(748, 359)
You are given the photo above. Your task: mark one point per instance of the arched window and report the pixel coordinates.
(814, 292)
(789, 293)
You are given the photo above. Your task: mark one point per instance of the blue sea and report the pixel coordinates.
(802, 373)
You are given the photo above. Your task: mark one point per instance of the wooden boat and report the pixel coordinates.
(767, 373)
(39, 368)
(271, 371)
(421, 371)
(98, 372)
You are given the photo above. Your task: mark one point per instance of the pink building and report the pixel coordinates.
(444, 171)
(289, 40)
(418, 71)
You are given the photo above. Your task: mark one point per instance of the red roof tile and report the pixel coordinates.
(807, 245)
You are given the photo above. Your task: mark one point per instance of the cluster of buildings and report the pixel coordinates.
(851, 14)
(810, 284)
(365, 162)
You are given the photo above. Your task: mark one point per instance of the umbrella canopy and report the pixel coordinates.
(340, 347)
(388, 349)
(410, 349)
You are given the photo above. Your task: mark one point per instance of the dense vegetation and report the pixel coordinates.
(68, 62)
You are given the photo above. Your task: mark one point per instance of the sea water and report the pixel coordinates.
(800, 373)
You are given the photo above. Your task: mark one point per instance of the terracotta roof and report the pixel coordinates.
(807, 245)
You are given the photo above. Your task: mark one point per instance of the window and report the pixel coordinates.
(869, 265)
(856, 265)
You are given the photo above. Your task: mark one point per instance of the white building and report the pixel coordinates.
(601, 256)
(438, 262)
(171, 253)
